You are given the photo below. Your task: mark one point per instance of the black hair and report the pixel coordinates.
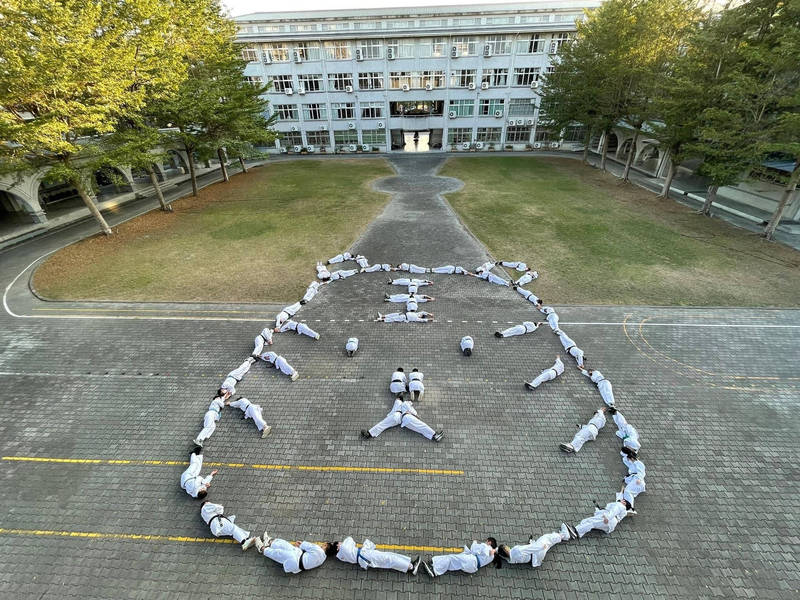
(503, 551)
(627, 504)
(202, 494)
(414, 370)
(203, 503)
(400, 369)
(331, 549)
(492, 542)
(302, 301)
(630, 452)
(468, 351)
(221, 392)
(197, 450)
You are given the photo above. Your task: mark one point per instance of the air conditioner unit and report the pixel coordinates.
(484, 85)
(465, 145)
(406, 87)
(537, 145)
(479, 145)
(528, 121)
(359, 55)
(390, 53)
(554, 144)
(310, 148)
(454, 52)
(519, 122)
(511, 122)
(452, 114)
(471, 86)
(498, 114)
(348, 89)
(301, 91)
(289, 91)
(365, 147)
(487, 50)
(351, 125)
(295, 128)
(553, 47)
(267, 58)
(428, 87)
(534, 85)
(297, 57)
(352, 147)
(298, 148)
(380, 125)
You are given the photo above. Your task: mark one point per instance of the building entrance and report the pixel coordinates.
(416, 141)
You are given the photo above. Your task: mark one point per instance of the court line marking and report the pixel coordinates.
(268, 467)
(98, 535)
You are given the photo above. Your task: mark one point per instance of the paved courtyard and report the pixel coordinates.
(110, 394)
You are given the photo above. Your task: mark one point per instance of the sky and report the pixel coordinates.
(243, 7)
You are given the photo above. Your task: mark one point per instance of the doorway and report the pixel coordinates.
(416, 141)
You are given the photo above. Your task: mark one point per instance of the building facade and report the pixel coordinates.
(409, 79)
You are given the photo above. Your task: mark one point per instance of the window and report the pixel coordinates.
(286, 112)
(340, 81)
(545, 106)
(303, 27)
(526, 75)
(366, 25)
(542, 135)
(434, 47)
(371, 49)
(318, 138)
(281, 83)
(310, 82)
(291, 138)
(315, 112)
(499, 44)
(499, 20)
(466, 21)
(416, 108)
(249, 54)
(458, 135)
(575, 133)
(558, 41)
(337, 50)
(255, 80)
(370, 81)
(397, 79)
(400, 24)
(373, 136)
(402, 48)
(465, 46)
(434, 78)
(433, 23)
(550, 70)
(495, 77)
(462, 108)
(371, 110)
(346, 137)
(307, 50)
(343, 110)
(487, 106)
(462, 78)
(520, 107)
(489, 134)
(518, 134)
(532, 44)
(279, 52)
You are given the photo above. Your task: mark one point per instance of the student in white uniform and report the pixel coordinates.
(351, 346)
(407, 317)
(369, 557)
(547, 375)
(295, 556)
(513, 264)
(340, 258)
(409, 282)
(626, 432)
(403, 414)
(311, 291)
(405, 297)
(587, 432)
(399, 382)
(415, 386)
(395, 317)
(287, 313)
(228, 387)
(450, 270)
(606, 519)
(487, 266)
(411, 268)
(362, 261)
(634, 480)
(252, 411)
(191, 481)
(492, 278)
(571, 348)
(299, 328)
(280, 363)
(343, 274)
(526, 327)
(535, 550)
(377, 267)
(552, 316)
(467, 344)
(529, 296)
(322, 272)
(209, 421)
(222, 526)
(478, 555)
(262, 339)
(603, 385)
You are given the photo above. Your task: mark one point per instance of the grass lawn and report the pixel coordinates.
(255, 239)
(597, 241)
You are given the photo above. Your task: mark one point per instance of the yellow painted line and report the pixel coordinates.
(95, 535)
(170, 463)
(159, 310)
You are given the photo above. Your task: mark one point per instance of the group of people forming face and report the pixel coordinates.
(298, 556)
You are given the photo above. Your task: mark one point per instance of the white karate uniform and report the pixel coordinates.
(395, 318)
(412, 268)
(549, 374)
(487, 266)
(190, 478)
(265, 337)
(311, 291)
(352, 345)
(552, 316)
(605, 519)
(589, 431)
(300, 328)
(449, 270)
(603, 385)
(418, 317)
(368, 557)
(220, 525)
(290, 556)
(251, 411)
(279, 362)
(528, 295)
(378, 267)
(399, 382)
(343, 274)
(467, 342)
(322, 272)
(403, 414)
(286, 313)
(398, 297)
(415, 382)
(340, 258)
(534, 551)
(514, 264)
(635, 467)
(362, 261)
(526, 278)
(570, 347)
(526, 327)
(627, 432)
(210, 419)
(234, 377)
(411, 304)
(492, 278)
(473, 558)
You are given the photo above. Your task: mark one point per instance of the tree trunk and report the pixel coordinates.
(192, 173)
(788, 192)
(157, 187)
(668, 181)
(631, 154)
(222, 166)
(92, 207)
(603, 152)
(244, 167)
(586, 140)
(712, 195)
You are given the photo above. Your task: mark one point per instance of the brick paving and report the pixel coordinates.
(712, 392)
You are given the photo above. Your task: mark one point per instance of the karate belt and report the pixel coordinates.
(220, 517)
(359, 557)
(397, 381)
(477, 560)
(300, 560)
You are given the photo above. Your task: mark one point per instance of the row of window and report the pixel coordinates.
(402, 80)
(458, 135)
(438, 47)
(517, 107)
